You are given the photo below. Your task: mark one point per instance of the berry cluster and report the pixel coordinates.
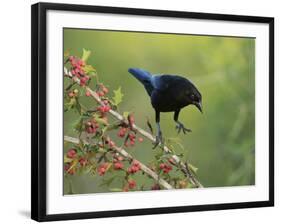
(77, 69)
(127, 130)
(165, 167)
(92, 126)
(103, 168)
(104, 108)
(135, 167)
(102, 90)
(72, 154)
(109, 142)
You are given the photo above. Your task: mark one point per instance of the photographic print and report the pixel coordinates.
(141, 111)
(150, 111)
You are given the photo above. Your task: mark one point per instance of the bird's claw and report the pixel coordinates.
(180, 127)
(158, 140)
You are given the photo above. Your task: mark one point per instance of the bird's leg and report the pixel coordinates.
(159, 139)
(180, 125)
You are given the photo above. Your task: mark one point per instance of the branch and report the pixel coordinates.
(183, 166)
(125, 154)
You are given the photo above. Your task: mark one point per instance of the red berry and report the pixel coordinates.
(81, 62)
(140, 139)
(118, 166)
(107, 108)
(71, 153)
(102, 169)
(162, 166)
(88, 93)
(77, 70)
(111, 144)
(71, 58)
(100, 93)
(83, 161)
(83, 79)
(131, 136)
(105, 90)
(71, 94)
(132, 183)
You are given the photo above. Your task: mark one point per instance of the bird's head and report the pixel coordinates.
(194, 97)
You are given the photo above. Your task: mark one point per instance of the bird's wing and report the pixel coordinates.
(164, 82)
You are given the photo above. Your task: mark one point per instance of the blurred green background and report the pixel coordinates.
(222, 142)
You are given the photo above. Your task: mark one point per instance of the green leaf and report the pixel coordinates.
(66, 53)
(126, 114)
(89, 69)
(100, 120)
(85, 55)
(66, 159)
(192, 168)
(118, 96)
(78, 124)
(176, 141)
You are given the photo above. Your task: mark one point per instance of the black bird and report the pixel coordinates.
(168, 93)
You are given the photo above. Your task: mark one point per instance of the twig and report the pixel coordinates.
(184, 168)
(125, 154)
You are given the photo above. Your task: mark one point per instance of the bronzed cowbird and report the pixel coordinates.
(168, 93)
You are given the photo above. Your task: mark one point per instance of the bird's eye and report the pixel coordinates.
(192, 96)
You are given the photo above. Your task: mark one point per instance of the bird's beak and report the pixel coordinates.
(199, 106)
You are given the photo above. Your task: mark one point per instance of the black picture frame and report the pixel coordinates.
(39, 115)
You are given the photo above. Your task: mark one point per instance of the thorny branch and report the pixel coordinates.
(125, 154)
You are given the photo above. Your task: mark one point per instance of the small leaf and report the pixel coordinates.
(118, 96)
(66, 159)
(126, 114)
(85, 55)
(192, 168)
(89, 69)
(66, 53)
(176, 141)
(112, 127)
(100, 120)
(78, 124)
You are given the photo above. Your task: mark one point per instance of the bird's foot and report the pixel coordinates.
(180, 127)
(158, 140)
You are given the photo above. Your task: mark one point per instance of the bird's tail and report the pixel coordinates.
(141, 75)
(144, 77)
